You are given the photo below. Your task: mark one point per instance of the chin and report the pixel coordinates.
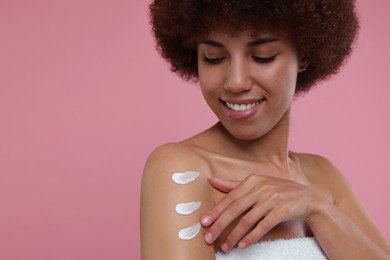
(244, 133)
(245, 137)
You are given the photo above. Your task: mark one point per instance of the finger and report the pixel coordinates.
(247, 223)
(211, 215)
(271, 220)
(232, 212)
(223, 184)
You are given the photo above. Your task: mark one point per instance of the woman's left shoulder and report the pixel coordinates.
(325, 176)
(321, 172)
(316, 165)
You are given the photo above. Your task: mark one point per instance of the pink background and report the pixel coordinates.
(84, 98)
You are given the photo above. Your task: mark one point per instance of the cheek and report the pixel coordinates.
(207, 87)
(287, 77)
(281, 87)
(204, 84)
(210, 80)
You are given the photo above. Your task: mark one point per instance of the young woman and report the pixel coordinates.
(236, 190)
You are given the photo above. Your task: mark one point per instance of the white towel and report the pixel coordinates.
(281, 249)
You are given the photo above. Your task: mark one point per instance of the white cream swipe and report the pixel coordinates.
(187, 208)
(184, 177)
(190, 232)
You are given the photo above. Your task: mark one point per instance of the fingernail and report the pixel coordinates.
(224, 247)
(206, 220)
(208, 237)
(241, 245)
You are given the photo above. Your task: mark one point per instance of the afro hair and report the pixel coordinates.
(323, 30)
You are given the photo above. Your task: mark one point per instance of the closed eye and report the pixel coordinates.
(263, 59)
(213, 60)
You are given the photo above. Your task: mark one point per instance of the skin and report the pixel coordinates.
(252, 187)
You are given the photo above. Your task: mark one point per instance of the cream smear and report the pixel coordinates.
(187, 208)
(190, 232)
(184, 177)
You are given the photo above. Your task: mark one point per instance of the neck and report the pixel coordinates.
(271, 147)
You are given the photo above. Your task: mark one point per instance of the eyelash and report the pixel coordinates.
(214, 61)
(263, 59)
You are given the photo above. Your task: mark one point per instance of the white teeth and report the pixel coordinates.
(241, 107)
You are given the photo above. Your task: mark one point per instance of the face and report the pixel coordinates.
(248, 82)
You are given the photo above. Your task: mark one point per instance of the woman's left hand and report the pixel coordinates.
(264, 201)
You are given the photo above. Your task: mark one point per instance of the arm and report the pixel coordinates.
(344, 229)
(160, 223)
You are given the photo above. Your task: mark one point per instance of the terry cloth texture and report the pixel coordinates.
(305, 248)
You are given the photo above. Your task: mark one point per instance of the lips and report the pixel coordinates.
(242, 105)
(242, 109)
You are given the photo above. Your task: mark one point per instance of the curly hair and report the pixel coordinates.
(323, 30)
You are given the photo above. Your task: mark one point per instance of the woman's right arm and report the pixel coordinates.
(165, 230)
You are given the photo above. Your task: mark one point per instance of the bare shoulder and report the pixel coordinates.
(175, 192)
(323, 172)
(318, 167)
(315, 161)
(172, 158)
(177, 153)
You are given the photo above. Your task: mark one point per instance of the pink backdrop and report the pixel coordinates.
(84, 98)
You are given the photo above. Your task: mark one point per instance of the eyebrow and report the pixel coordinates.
(261, 41)
(213, 43)
(250, 44)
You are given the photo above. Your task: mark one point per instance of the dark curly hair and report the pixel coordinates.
(323, 30)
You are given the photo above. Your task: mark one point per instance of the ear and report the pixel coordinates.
(303, 63)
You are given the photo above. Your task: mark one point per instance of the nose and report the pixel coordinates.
(238, 77)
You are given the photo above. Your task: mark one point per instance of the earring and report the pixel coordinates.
(302, 69)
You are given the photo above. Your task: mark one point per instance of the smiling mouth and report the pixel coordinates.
(243, 107)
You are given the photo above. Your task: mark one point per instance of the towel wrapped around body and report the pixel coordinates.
(304, 248)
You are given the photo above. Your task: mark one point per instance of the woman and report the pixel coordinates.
(226, 191)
